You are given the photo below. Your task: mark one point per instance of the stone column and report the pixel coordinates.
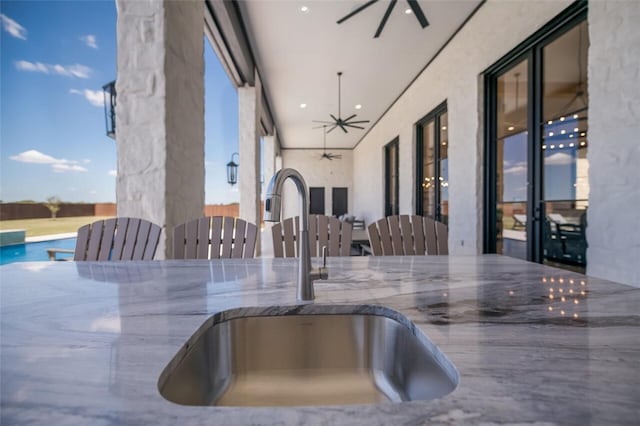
(160, 113)
(249, 161)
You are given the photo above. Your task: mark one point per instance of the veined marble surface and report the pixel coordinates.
(85, 343)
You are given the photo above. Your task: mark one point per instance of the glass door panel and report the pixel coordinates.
(564, 149)
(444, 169)
(512, 161)
(428, 171)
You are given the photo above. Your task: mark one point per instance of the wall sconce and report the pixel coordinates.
(232, 170)
(109, 91)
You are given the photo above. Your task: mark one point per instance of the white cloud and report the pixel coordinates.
(558, 159)
(58, 165)
(61, 168)
(89, 40)
(517, 168)
(95, 97)
(113, 173)
(32, 66)
(75, 70)
(12, 27)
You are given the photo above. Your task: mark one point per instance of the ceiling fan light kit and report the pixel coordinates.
(343, 123)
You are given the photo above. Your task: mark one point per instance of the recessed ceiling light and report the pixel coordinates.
(444, 127)
(304, 9)
(407, 11)
(303, 106)
(358, 106)
(510, 128)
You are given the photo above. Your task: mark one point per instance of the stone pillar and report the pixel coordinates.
(613, 152)
(160, 113)
(249, 161)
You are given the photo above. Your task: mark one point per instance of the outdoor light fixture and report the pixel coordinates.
(232, 171)
(109, 91)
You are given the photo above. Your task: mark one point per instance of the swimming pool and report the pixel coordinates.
(34, 252)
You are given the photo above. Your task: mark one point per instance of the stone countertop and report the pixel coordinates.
(85, 342)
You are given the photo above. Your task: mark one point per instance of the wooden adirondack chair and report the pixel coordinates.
(408, 235)
(121, 238)
(214, 237)
(324, 231)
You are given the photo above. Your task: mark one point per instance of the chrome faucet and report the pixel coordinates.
(272, 210)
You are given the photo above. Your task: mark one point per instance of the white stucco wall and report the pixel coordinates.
(317, 172)
(454, 76)
(613, 230)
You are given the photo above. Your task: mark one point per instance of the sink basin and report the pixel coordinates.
(307, 355)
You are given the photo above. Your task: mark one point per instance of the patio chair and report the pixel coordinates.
(408, 235)
(324, 231)
(215, 237)
(519, 221)
(121, 238)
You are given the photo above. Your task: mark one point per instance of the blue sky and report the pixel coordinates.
(55, 58)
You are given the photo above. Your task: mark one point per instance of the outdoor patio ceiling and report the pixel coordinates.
(298, 47)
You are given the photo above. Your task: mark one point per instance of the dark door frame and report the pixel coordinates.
(434, 115)
(530, 49)
(391, 207)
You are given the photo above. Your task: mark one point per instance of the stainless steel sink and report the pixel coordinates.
(307, 355)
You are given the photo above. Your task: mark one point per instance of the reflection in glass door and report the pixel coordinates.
(536, 154)
(565, 197)
(512, 163)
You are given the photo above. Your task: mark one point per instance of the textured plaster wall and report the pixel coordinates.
(613, 230)
(317, 173)
(454, 76)
(160, 113)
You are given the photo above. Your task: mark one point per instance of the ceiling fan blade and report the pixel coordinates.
(349, 118)
(343, 128)
(334, 117)
(417, 10)
(361, 8)
(351, 125)
(385, 17)
(332, 127)
(320, 121)
(358, 122)
(338, 156)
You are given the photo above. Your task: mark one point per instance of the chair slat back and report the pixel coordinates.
(405, 235)
(442, 238)
(119, 238)
(430, 235)
(324, 231)
(214, 237)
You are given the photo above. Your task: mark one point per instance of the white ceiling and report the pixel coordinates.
(298, 55)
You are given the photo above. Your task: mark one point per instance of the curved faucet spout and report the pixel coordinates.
(272, 211)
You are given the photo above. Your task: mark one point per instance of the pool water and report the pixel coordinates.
(34, 252)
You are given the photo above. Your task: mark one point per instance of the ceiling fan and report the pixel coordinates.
(328, 156)
(343, 123)
(413, 4)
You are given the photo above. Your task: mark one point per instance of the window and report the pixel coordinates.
(391, 200)
(316, 200)
(432, 171)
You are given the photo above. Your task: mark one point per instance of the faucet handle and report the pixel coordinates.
(322, 272)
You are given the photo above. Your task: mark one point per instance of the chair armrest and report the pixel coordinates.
(54, 251)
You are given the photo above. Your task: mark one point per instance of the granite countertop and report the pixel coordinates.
(85, 342)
